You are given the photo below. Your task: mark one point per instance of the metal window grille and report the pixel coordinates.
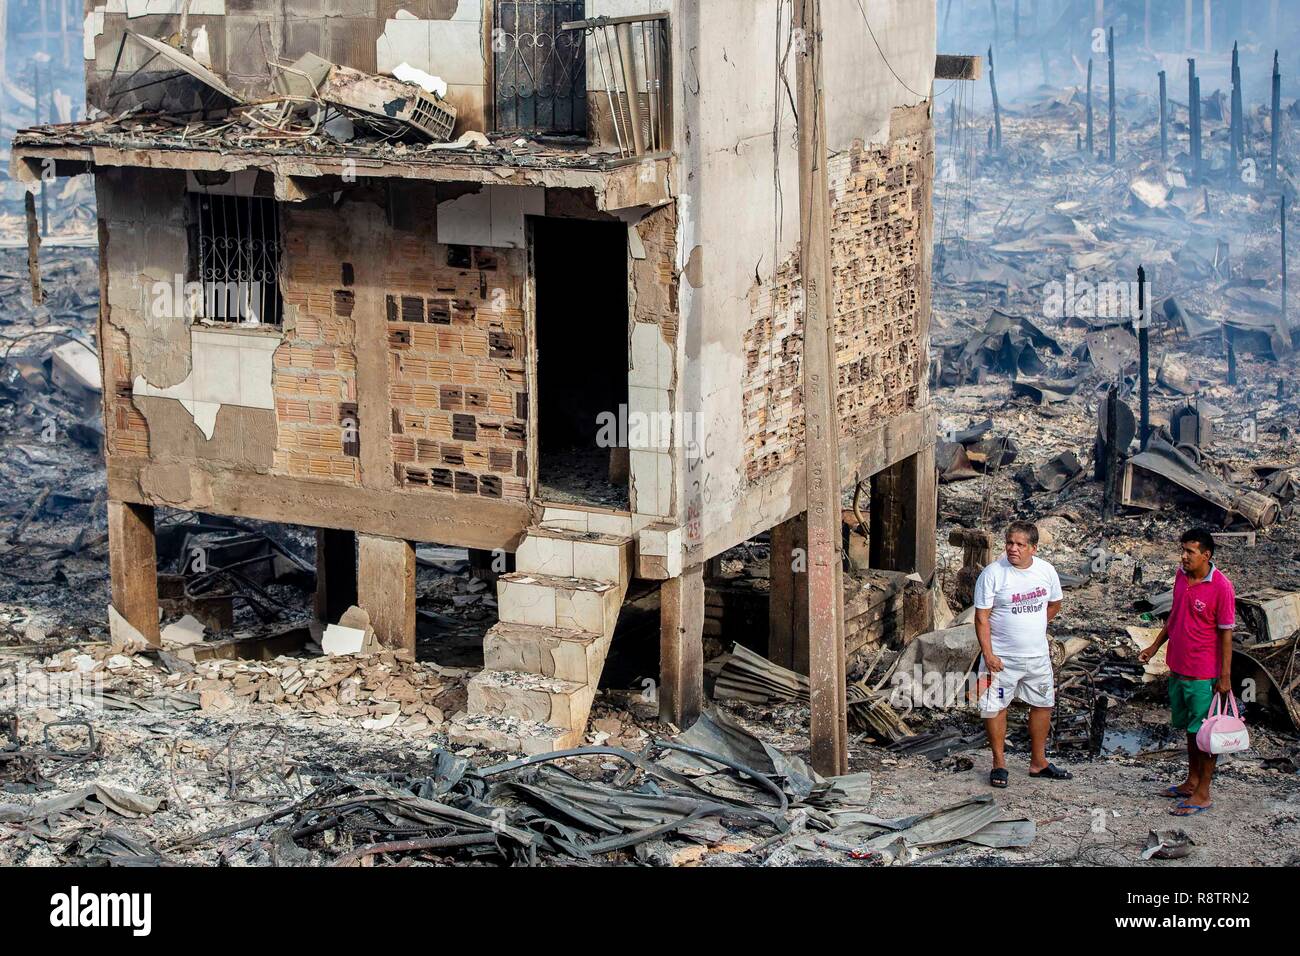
(237, 249)
(632, 57)
(541, 69)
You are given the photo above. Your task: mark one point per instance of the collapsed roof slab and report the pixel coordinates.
(74, 149)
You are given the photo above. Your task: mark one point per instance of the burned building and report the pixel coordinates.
(512, 275)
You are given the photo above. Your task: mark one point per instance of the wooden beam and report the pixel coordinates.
(829, 724)
(952, 66)
(133, 566)
(681, 647)
(414, 514)
(787, 612)
(336, 573)
(903, 506)
(386, 588)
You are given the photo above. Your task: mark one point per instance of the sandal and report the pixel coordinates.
(1174, 793)
(998, 777)
(1184, 809)
(1052, 772)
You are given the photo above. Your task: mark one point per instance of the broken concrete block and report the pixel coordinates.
(338, 640)
(123, 633)
(75, 369)
(188, 630)
(215, 701)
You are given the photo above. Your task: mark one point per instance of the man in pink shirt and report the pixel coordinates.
(1199, 632)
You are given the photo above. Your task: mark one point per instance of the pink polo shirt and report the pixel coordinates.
(1198, 612)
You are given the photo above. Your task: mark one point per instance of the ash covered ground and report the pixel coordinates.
(304, 760)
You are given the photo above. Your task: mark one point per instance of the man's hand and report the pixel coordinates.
(1223, 685)
(1148, 653)
(993, 663)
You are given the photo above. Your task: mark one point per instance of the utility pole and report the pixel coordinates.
(826, 666)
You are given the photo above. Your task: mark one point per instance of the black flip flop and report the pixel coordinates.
(1052, 772)
(998, 777)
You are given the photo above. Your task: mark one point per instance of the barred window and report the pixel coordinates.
(236, 248)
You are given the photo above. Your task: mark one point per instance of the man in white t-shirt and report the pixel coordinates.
(1015, 598)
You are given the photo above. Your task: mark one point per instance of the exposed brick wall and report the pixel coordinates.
(878, 200)
(654, 278)
(127, 432)
(878, 205)
(773, 396)
(457, 382)
(315, 367)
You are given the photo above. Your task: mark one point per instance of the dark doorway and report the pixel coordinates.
(580, 271)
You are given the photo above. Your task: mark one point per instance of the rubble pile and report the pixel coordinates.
(379, 691)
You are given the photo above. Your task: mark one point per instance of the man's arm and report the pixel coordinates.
(1150, 652)
(1053, 609)
(984, 634)
(1225, 661)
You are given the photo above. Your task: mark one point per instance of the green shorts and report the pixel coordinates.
(1189, 702)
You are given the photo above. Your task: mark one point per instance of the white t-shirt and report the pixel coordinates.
(1019, 600)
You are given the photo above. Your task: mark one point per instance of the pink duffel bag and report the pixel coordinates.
(1222, 732)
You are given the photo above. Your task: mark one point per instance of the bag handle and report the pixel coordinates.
(1217, 707)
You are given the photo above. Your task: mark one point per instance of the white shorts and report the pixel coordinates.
(1027, 679)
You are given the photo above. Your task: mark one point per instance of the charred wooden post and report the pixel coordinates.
(133, 566)
(1235, 139)
(1232, 354)
(1164, 120)
(1088, 106)
(33, 249)
(1144, 360)
(386, 588)
(1110, 490)
(1194, 115)
(1274, 131)
(1285, 322)
(997, 108)
(787, 640)
(681, 647)
(976, 554)
(1110, 76)
(903, 499)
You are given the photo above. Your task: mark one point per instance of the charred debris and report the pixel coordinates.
(1113, 355)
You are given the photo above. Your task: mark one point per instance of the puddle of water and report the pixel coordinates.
(1125, 741)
